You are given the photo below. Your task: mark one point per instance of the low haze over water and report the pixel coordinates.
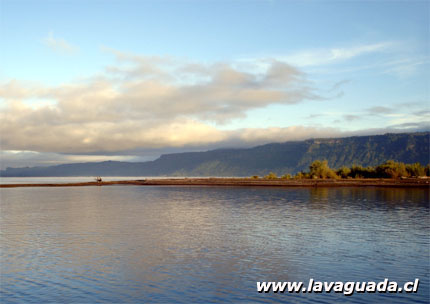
(129, 244)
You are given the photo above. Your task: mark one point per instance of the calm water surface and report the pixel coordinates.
(130, 244)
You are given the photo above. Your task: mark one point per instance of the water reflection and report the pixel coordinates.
(184, 244)
(391, 197)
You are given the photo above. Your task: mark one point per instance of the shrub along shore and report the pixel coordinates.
(390, 169)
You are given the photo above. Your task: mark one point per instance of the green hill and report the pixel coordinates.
(280, 158)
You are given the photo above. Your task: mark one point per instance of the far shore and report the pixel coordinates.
(247, 182)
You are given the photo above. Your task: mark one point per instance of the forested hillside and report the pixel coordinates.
(280, 158)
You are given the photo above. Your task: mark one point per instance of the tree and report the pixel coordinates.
(300, 175)
(391, 169)
(361, 172)
(343, 172)
(415, 169)
(271, 175)
(320, 169)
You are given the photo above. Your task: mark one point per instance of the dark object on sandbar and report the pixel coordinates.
(98, 179)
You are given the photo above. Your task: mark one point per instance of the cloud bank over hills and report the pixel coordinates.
(153, 102)
(160, 82)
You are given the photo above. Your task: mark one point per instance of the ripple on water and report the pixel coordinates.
(183, 244)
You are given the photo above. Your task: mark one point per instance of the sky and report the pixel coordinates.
(131, 80)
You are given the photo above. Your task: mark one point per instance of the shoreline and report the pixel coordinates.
(246, 182)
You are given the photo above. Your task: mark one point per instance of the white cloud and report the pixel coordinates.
(405, 67)
(143, 102)
(19, 159)
(318, 57)
(59, 44)
(238, 139)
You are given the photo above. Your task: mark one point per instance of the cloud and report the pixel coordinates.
(59, 44)
(242, 138)
(254, 136)
(405, 67)
(401, 59)
(318, 57)
(422, 113)
(379, 110)
(412, 126)
(160, 103)
(162, 140)
(350, 117)
(143, 102)
(18, 90)
(339, 84)
(394, 116)
(19, 159)
(403, 115)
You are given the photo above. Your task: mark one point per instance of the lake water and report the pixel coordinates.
(130, 244)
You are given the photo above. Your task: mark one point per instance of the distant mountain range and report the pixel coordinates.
(280, 158)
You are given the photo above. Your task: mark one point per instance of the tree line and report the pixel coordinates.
(389, 169)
